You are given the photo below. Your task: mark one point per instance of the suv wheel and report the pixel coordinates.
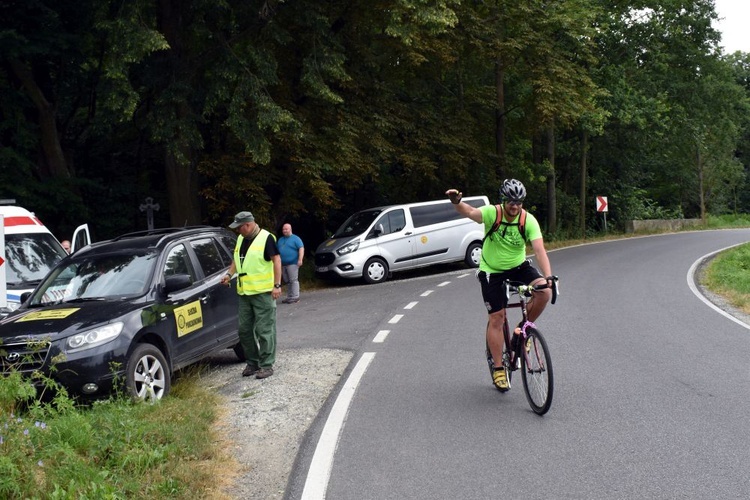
(147, 374)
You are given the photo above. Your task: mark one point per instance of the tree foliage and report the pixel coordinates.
(305, 111)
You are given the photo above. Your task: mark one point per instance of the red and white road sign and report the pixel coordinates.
(601, 204)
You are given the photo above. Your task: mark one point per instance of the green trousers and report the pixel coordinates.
(257, 329)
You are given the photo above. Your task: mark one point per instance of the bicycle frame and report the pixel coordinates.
(524, 294)
(531, 353)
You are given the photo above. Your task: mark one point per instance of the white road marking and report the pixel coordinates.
(444, 283)
(319, 473)
(426, 293)
(395, 319)
(411, 305)
(381, 335)
(691, 284)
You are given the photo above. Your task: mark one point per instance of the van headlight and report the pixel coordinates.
(94, 337)
(348, 248)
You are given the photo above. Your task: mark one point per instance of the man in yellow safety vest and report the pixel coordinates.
(258, 267)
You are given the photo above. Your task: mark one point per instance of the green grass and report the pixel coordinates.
(112, 449)
(729, 276)
(173, 449)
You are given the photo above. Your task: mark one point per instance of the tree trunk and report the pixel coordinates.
(182, 189)
(551, 185)
(55, 163)
(180, 169)
(500, 148)
(584, 176)
(701, 186)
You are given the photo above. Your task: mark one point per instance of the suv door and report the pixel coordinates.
(191, 334)
(220, 301)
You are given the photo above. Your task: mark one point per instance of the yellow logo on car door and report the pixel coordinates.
(189, 318)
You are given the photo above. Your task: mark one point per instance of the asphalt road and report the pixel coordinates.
(651, 385)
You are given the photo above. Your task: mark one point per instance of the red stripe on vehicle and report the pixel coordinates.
(22, 221)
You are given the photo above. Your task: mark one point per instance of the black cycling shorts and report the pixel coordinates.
(493, 292)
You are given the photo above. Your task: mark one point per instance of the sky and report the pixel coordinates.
(734, 30)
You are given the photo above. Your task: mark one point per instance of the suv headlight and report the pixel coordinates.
(93, 338)
(348, 248)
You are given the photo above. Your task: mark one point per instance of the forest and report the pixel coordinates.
(304, 111)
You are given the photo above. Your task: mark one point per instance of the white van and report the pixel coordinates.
(31, 250)
(373, 243)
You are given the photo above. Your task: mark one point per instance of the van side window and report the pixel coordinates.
(392, 222)
(437, 213)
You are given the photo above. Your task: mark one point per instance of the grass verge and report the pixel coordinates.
(728, 275)
(113, 449)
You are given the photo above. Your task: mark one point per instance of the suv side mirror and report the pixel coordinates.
(177, 282)
(25, 296)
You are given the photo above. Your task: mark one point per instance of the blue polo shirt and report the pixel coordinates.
(289, 249)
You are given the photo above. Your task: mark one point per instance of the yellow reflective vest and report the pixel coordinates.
(254, 273)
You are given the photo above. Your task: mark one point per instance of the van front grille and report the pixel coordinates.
(324, 259)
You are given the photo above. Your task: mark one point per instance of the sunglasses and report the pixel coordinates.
(514, 203)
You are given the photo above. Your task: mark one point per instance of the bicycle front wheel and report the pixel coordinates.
(536, 372)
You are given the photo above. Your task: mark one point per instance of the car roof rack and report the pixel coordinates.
(160, 231)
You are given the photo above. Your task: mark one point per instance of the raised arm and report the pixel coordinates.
(464, 209)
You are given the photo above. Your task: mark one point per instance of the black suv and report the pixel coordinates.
(134, 309)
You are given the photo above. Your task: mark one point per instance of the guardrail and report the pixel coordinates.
(636, 226)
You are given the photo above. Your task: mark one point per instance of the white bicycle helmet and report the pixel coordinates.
(512, 190)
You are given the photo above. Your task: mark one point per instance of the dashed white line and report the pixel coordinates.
(381, 335)
(444, 283)
(425, 294)
(410, 305)
(319, 473)
(395, 319)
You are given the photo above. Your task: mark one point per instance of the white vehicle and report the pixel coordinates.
(373, 243)
(31, 250)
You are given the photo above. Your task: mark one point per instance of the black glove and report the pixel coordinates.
(455, 197)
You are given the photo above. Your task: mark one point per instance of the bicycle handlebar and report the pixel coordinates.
(527, 289)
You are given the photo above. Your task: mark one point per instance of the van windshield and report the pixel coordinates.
(357, 223)
(30, 256)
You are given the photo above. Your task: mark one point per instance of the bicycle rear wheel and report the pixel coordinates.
(536, 372)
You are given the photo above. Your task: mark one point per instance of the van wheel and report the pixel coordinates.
(473, 255)
(376, 270)
(147, 376)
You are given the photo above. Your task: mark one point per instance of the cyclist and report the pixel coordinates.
(504, 257)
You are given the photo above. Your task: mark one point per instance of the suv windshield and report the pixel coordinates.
(30, 256)
(97, 277)
(357, 223)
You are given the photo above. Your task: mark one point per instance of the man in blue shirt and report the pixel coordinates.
(292, 252)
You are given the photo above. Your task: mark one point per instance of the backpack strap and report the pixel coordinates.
(499, 220)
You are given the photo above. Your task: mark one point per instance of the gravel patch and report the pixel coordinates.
(267, 419)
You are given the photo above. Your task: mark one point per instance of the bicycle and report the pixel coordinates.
(531, 355)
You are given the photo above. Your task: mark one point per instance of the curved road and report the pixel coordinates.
(651, 386)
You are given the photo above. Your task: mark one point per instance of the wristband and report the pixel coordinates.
(277, 285)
